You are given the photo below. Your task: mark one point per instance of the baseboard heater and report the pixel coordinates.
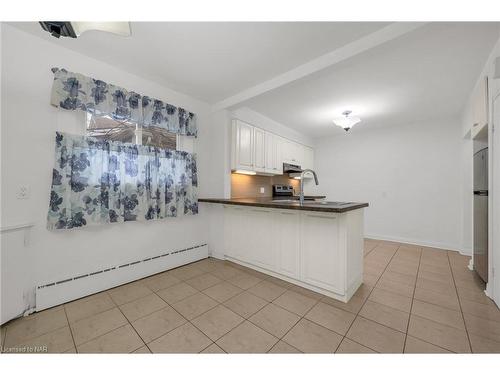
(71, 288)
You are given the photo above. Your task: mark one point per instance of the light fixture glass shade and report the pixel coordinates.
(346, 122)
(120, 28)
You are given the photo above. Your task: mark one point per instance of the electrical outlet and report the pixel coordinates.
(23, 192)
(262, 190)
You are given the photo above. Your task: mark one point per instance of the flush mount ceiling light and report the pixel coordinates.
(75, 29)
(346, 122)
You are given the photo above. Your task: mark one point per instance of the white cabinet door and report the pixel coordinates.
(287, 242)
(273, 164)
(291, 152)
(243, 148)
(321, 261)
(259, 137)
(235, 232)
(261, 249)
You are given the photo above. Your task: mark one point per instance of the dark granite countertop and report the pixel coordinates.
(323, 206)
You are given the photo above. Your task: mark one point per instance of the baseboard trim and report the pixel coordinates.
(409, 241)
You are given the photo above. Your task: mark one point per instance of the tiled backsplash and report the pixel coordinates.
(245, 186)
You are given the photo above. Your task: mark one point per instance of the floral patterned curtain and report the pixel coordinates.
(75, 91)
(97, 182)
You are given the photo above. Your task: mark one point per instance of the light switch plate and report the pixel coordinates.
(262, 190)
(23, 192)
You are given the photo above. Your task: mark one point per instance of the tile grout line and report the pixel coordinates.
(412, 299)
(70, 329)
(459, 302)
(369, 294)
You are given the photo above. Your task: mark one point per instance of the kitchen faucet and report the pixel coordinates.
(302, 174)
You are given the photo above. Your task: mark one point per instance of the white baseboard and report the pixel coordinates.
(410, 241)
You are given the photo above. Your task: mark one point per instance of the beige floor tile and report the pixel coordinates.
(213, 349)
(177, 293)
(436, 286)
(274, 320)
(195, 305)
(449, 301)
(227, 272)
(353, 306)
(370, 280)
(267, 290)
(27, 328)
(88, 306)
(142, 350)
(70, 351)
(208, 265)
(396, 301)
(489, 312)
(395, 287)
(217, 322)
(279, 282)
(331, 317)
(435, 268)
(128, 292)
(282, 347)
(405, 268)
(483, 345)
(142, 307)
(295, 302)
(247, 338)
(158, 323)
(400, 278)
(439, 277)
(350, 347)
(385, 315)
(376, 336)
(307, 292)
(245, 304)
(186, 272)
(203, 281)
(417, 346)
(121, 340)
(184, 339)
(310, 337)
(489, 329)
(96, 325)
(245, 281)
(439, 334)
(363, 291)
(438, 314)
(474, 296)
(160, 281)
(58, 341)
(222, 291)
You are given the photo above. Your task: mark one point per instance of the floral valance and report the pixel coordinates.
(75, 91)
(98, 182)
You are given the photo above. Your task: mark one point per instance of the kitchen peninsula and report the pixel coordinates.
(317, 245)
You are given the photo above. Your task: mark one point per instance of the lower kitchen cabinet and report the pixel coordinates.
(320, 251)
(321, 259)
(287, 242)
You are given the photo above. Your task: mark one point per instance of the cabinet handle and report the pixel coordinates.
(475, 124)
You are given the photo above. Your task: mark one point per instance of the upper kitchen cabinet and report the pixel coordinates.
(259, 150)
(480, 107)
(256, 150)
(273, 162)
(242, 146)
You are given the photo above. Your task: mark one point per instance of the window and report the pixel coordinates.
(105, 127)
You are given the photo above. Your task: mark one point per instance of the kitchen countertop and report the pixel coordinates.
(323, 206)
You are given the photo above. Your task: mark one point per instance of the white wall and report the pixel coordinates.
(28, 127)
(409, 174)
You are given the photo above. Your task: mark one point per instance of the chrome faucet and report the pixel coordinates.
(302, 174)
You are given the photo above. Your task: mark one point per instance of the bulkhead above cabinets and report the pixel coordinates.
(257, 151)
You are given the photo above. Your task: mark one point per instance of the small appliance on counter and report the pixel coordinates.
(285, 192)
